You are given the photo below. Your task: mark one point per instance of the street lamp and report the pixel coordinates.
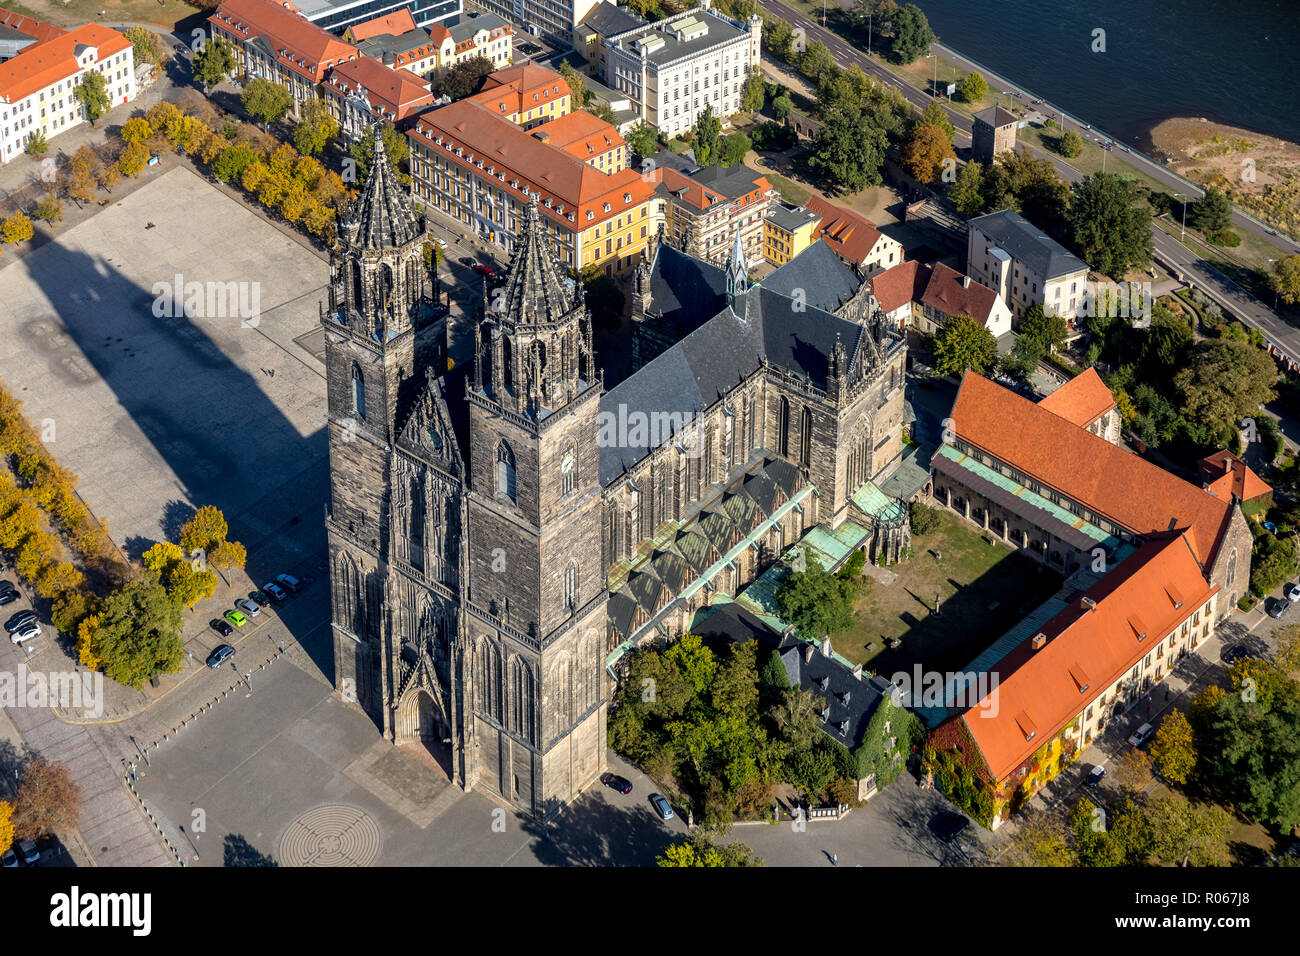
(1184, 229)
(935, 85)
(1271, 262)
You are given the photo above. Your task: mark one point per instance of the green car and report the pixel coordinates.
(236, 618)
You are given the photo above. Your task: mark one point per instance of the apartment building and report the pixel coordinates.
(391, 96)
(38, 85)
(587, 137)
(337, 16)
(787, 231)
(673, 68)
(470, 163)
(18, 32)
(553, 19)
(706, 208)
(854, 238)
(526, 95)
(923, 297)
(1027, 267)
(397, 42)
(274, 42)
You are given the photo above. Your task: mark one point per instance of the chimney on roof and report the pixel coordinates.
(1038, 641)
(808, 650)
(857, 672)
(826, 646)
(965, 282)
(1090, 604)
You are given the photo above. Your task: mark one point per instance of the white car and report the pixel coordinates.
(248, 606)
(1143, 732)
(26, 633)
(1292, 593)
(275, 591)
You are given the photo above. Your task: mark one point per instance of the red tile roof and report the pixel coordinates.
(850, 236)
(898, 285)
(1086, 651)
(580, 133)
(483, 136)
(1227, 476)
(390, 24)
(1126, 489)
(399, 92)
(511, 90)
(48, 62)
(36, 29)
(951, 293)
(1082, 400)
(300, 46)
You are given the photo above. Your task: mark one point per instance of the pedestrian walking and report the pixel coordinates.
(835, 859)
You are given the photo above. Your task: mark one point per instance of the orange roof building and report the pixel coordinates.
(37, 86)
(528, 95)
(708, 207)
(390, 24)
(854, 238)
(1159, 560)
(29, 27)
(394, 95)
(1226, 476)
(1087, 402)
(588, 137)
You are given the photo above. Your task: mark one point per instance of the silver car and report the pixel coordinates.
(248, 606)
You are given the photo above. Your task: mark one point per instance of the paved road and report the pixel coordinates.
(1254, 312)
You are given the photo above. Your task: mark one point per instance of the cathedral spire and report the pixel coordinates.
(534, 293)
(737, 272)
(382, 217)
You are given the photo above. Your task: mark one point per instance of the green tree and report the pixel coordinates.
(797, 717)
(1045, 329)
(695, 660)
(1286, 280)
(1186, 834)
(644, 139)
(464, 78)
(37, 145)
(701, 849)
(935, 115)
(1213, 214)
(782, 105)
(230, 164)
(815, 601)
(214, 62)
(138, 633)
(1224, 382)
(754, 93)
(1069, 144)
(707, 130)
(972, 88)
(1174, 747)
(1110, 224)
(1040, 842)
(925, 520)
(316, 128)
(849, 152)
(265, 101)
(963, 343)
(817, 62)
(966, 192)
(912, 34)
(49, 209)
(92, 93)
(733, 148)
(144, 44)
(927, 153)
(577, 85)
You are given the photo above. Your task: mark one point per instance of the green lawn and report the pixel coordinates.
(985, 590)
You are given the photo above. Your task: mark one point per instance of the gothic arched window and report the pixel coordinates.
(506, 471)
(571, 588)
(805, 438)
(358, 392)
(568, 472)
(783, 429)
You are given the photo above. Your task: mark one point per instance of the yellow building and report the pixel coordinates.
(787, 232)
(526, 95)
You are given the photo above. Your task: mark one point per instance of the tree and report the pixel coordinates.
(6, 825)
(214, 62)
(966, 192)
(1174, 747)
(754, 93)
(972, 88)
(144, 44)
(37, 145)
(316, 128)
(1046, 330)
(1069, 144)
(137, 635)
(577, 85)
(49, 209)
(644, 139)
(733, 148)
(1286, 280)
(816, 61)
(1132, 771)
(1187, 834)
(1040, 842)
(48, 800)
(1213, 214)
(17, 228)
(92, 93)
(700, 848)
(707, 129)
(230, 164)
(133, 158)
(81, 178)
(927, 153)
(136, 130)
(935, 115)
(464, 78)
(1224, 382)
(912, 34)
(797, 718)
(849, 152)
(228, 555)
(963, 343)
(781, 106)
(265, 101)
(204, 530)
(925, 520)
(1110, 224)
(815, 601)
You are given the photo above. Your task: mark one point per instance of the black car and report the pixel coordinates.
(221, 627)
(949, 826)
(1230, 655)
(260, 598)
(220, 655)
(20, 620)
(1278, 607)
(615, 782)
(8, 597)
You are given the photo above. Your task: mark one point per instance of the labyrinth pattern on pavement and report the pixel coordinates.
(332, 835)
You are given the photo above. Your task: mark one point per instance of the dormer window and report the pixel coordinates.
(627, 197)
(590, 215)
(607, 207)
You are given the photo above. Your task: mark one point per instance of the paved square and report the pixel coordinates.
(195, 409)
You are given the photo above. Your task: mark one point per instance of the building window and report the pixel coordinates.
(506, 471)
(783, 429)
(571, 588)
(358, 393)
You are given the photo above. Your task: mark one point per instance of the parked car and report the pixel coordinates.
(1278, 607)
(8, 597)
(220, 655)
(948, 826)
(260, 597)
(467, 261)
(288, 582)
(250, 608)
(1230, 655)
(1095, 775)
(1292, 593)
(221, 627)
(28, 852)
(19, 620)
(487, 272)
(1143, 734)
(660, 803)
(615, 782)
(235, 618)
(275, 591)
(26, 633)
(10, 858)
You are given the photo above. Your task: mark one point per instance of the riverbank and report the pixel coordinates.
(1261, 174)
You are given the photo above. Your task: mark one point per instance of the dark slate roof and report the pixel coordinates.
(996, 116)
(620, 610)
(382, 215)
(826, 279)
(731, 181)
(534, 293)
(1029, 244)
(608, 19)
(686, 291)
(667, 159)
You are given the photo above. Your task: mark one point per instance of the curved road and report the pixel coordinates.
(1281, 335)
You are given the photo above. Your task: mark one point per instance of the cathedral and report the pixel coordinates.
(503, 529)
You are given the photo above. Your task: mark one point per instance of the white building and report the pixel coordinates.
(672, 69)
(38, 87)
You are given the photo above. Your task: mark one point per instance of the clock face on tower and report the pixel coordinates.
(566, 464)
